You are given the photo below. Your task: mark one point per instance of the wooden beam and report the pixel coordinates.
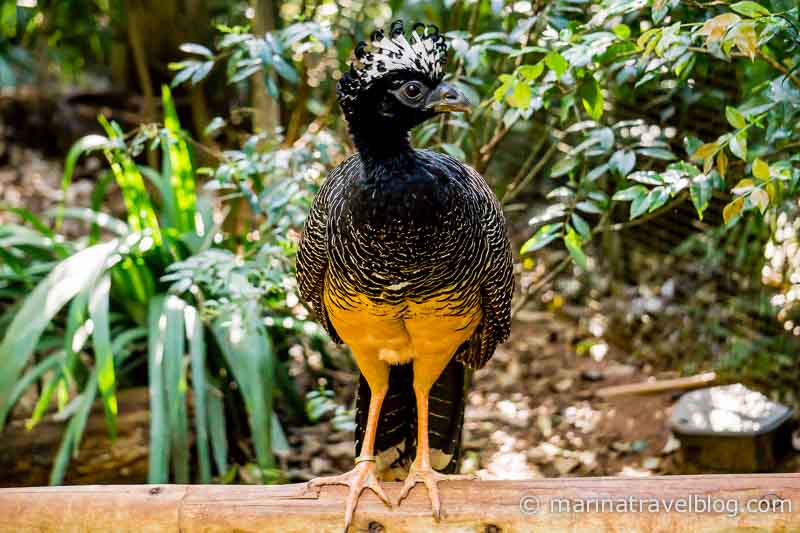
(474, 506)
(658, 385)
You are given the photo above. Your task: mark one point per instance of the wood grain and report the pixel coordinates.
(471, 506)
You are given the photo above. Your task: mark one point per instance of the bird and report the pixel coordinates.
(405, 258)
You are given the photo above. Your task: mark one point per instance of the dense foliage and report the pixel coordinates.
(589, 122)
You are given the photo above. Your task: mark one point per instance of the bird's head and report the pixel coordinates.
(395, 81)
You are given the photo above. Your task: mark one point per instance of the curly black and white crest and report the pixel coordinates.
(423, 52)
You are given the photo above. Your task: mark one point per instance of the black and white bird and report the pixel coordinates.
(405, 259)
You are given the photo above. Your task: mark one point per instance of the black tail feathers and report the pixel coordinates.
(396, 440)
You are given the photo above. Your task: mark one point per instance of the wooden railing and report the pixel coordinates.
(739, 503)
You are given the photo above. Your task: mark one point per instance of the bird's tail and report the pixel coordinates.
(396, 440)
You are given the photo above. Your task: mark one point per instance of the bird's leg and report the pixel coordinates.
(363, 474)
(426, 371)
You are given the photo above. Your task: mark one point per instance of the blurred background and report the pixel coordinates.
(157, 161)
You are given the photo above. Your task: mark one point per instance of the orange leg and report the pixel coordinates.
(363, 475)
(427, 370)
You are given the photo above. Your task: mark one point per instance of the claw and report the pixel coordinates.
(431, 478)
(359, 478)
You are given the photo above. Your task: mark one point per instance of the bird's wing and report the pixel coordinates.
(497, 287)
(312, 254)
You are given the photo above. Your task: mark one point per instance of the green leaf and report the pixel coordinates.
(573, 243)
(563, 166)
(216, 424)
(656, 198)
(199, 49)
(67, 279)
(735, 118)
(247, 348)
(104, 358)
(631, 193)
(179, 175)
(700, 191)
(738, 145)
(521, 96)
(158, 464)
(175, 386)
(531, 72)
(640, 205)
(592, 98)
(544, 236)
(197, 356)
(750, 9)
(657, 153)
(622, 31)
(556, 63)
(74, 432)
(761, 169)
(581, 226)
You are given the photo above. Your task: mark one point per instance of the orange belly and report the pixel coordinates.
(397, 334)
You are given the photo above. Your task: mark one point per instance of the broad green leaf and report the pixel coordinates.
(656, 198)
(735, 118)
(640, 205)
(531, 72)
(631, 193)
(622, 161)
(521, 96)
(573, 243)
(622, 31)
(581, 226)
(738, 145)
(543, 236)
(556, 63)
(592, 98)
(750, 9)
(760, 169)
(67, 279)
(563, 166)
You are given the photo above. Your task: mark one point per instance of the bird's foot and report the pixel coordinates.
(360, 477)
(431, 478)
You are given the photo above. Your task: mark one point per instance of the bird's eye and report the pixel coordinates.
(412, 90)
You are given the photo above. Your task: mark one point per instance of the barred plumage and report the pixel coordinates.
(459, 253)
(405, 258)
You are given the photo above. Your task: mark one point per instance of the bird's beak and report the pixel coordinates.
(446, 99)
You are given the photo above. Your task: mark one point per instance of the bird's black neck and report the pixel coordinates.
(380, 147)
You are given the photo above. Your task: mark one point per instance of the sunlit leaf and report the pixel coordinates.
(700, 191)
(761, 169)
(705, 151)
(722, 163)
(760, 199)
(544, 236)
(574, 244)
(735, 118)
(744, 35)
(732, 209)
(556, 63)
(750, 9)
(738, 145)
